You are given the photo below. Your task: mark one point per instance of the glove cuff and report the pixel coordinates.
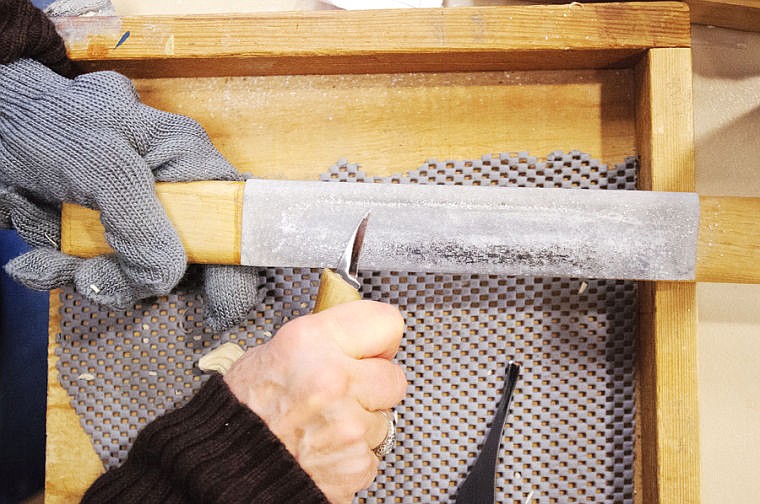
(25, 80)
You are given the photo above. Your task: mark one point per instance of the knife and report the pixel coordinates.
(342, 284)
(335, 287)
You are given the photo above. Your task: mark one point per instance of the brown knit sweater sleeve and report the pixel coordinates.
(213, 450)
(26, 32)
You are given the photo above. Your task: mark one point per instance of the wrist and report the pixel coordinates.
(25, 80)
(220, 451)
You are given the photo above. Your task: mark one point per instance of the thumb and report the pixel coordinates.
(364, 329)
(103, 280)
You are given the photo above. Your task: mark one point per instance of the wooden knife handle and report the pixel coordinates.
(207, 216)
(333, 290)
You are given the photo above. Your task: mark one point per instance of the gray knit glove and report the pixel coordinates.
(91, 141)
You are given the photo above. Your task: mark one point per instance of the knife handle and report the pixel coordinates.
(333, 290)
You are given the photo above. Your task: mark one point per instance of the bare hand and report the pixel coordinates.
(319, 385)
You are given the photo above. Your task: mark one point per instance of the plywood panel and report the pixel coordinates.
(297, 126)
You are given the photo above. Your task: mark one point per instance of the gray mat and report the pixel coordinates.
(570, 436)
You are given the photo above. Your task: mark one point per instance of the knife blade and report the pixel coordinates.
(342, 285)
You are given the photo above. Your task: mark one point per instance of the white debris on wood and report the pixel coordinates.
(582, 288)
(221, 358)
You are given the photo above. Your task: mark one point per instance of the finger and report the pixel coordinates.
(340, 474)
(103, 280)
(147, 247)
(230, 292)
(99, 279)
(180, 150)
(381, 427)
(174, 147)
(350, 424)
(38, 225)
(378, 384)
(363, 328)
(43, 269)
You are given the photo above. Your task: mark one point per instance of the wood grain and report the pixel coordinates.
(729, 240)
(667, 368)
(735, 14)
(206, 215)
(285, 126)
(71, 464)
(336, 42)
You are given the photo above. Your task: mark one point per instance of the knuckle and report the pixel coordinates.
(394, 317)
(298, 332)
(113, 81)
(351, 430)
(325, 388)
(189, 126)
(370, 468)
(400, 382)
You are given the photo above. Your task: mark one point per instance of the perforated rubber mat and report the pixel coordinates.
(570, 435)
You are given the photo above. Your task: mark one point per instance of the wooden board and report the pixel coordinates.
(284, 126)
(729, 240)
(533, 78)
(71, 464)
(538, 37)
(667, 367)
(736, 14)
(207, 217)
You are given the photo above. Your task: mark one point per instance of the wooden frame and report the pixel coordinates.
(667, 370)
(736, 14)
(621, 72)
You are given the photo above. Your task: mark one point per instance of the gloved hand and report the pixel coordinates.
(91, 141)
